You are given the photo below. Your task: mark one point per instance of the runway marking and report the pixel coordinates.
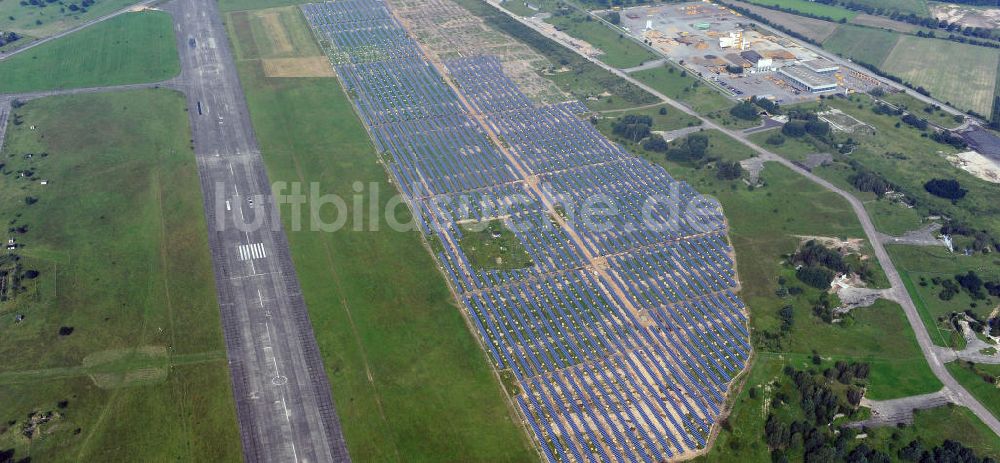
(252, 251)
(255, 275)
(287, 413)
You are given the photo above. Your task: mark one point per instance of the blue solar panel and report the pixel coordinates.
(636, 374)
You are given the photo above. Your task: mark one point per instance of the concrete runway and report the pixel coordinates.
(283, 399)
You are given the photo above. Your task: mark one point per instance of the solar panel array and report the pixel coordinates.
(623, 337)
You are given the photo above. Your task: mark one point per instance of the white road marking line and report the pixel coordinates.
(251, 251)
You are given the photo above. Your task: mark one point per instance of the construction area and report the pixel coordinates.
(720, 45)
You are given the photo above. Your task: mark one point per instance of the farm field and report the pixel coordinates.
(883, 22)
(408, 376)
(120, 336)
(965, 75)
(34, 22)
(835, 13)
(130, 48)
(815, 29)
(917, 7)
(862, 44)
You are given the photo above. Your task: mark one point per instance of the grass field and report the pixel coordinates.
(937, 262)
(688, 89)
(907, 159)
(916, 160)
(917, 7)
(893, 218)
(862, 44)
(35, 22)
(987, 394)
(908, 102)
(813, 8)
(119, 240)
(932, 427)
(619, 50)
(238, 5)
(409, 378)
(674, 119)
(130, 48)
(964, 75)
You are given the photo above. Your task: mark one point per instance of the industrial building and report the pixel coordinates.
(751, 56)
(715, 42)
(821, 66)
(807, 79)
(758, 63)
(734, 39)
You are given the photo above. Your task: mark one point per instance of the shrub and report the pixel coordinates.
(945, 188)
(744, 110)
(728, 170)
(775, 139)
(815, 276)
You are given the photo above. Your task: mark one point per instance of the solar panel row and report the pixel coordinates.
(600, 382)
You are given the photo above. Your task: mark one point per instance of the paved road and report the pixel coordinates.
(767, 124)
(973, 349)
(85, 25)
(891, 412)
(651, 64)
(175, 84)
(671, 135)
(924, 236)
(283, 399)
(960, 395)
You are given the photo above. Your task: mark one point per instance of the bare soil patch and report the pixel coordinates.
(311, 66)
(814, 29)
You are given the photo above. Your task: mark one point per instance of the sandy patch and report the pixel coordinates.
(976, 164)
(850, 245)
(312, 66)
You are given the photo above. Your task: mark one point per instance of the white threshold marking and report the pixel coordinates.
(252, 251)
